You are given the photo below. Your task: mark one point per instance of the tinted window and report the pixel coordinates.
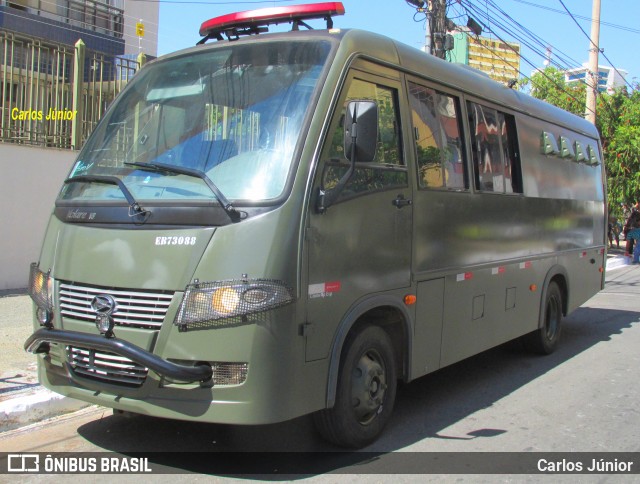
(439, 148)
(387, 169)
(494, 149)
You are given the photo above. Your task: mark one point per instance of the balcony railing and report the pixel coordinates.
(44, 101)
(103, 17)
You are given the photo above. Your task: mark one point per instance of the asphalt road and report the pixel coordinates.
(582, 398)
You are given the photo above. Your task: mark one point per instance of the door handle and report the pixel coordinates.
(400, 201)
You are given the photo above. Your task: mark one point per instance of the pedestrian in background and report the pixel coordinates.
(633, 222)
(616, 230)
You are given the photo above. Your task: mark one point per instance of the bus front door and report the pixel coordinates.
(361, 246)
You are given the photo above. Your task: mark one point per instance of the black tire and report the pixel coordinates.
(366, 391)
(546, 338)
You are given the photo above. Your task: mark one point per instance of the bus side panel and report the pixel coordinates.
(489, 306)
(428, 327)
(456, 230)
(584, 269)
(557, 175)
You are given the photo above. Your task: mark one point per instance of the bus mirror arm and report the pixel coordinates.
(360, 136)
(326, 198)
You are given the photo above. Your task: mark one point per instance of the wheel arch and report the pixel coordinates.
(388, 312)
(559, 275)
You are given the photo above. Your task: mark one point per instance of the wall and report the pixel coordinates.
(30, 179)
(55, 31)
(149, 13)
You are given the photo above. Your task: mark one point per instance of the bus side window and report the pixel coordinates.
(512, 169)
(439, 150)
(494, 147)
(388, 169)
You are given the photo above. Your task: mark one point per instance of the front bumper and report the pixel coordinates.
(39, 341)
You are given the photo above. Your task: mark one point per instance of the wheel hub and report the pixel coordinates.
(368, 387)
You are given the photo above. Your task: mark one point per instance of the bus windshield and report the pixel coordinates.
(233, 113)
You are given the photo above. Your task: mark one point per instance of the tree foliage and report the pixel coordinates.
(618, 121)
(549, 85)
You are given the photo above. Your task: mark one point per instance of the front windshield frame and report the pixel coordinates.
(203, 197)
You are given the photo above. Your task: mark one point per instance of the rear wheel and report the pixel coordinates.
(545, 339)
(366, 391)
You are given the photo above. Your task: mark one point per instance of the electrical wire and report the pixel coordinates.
(606, 103)
(87, 33)
(560, 87)
(128, 36)
(563, 57)
(594, 46)
(581, 17)
(533, 37)
(536, 45)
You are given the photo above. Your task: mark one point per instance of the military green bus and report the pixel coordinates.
(280, 224)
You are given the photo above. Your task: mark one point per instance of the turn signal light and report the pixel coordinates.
(410, 299)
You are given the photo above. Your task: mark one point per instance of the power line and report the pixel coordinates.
(43, 22)
(601, 51)
(581, 17)
(88, 25)
(534, 37)
(558, 86)
(536, 44)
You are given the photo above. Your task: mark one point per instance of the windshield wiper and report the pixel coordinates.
(224, 202)
(134, 206)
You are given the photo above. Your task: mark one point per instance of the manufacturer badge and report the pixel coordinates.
(104, 306)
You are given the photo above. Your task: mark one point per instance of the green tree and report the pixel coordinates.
(619, 124)
(550, 86)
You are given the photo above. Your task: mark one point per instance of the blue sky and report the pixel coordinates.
(619, 32)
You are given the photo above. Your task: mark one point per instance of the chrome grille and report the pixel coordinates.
(136, 309)
(106, 367)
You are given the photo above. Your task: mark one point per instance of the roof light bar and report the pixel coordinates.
(257, 21)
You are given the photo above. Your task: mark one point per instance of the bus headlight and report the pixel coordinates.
(40, 290)
(225, 301)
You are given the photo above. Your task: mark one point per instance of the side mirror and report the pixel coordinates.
(360, 143)
(361, 131)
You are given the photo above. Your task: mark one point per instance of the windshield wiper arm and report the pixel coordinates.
(134, 206)
(224, 202)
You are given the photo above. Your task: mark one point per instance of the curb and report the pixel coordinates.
(34, 407)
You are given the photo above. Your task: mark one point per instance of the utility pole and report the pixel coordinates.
(592, 73)
(437, 27)
(436, 12)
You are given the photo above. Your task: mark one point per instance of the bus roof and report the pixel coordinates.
(382, 49)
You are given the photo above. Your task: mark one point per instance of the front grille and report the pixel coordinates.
(106, 367)
(135, 309)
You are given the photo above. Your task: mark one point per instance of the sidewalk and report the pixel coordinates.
(24, 401)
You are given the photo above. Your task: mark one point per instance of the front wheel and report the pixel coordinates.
(366, 391)
(545, 339)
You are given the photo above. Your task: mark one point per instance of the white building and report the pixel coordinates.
(609, 79)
